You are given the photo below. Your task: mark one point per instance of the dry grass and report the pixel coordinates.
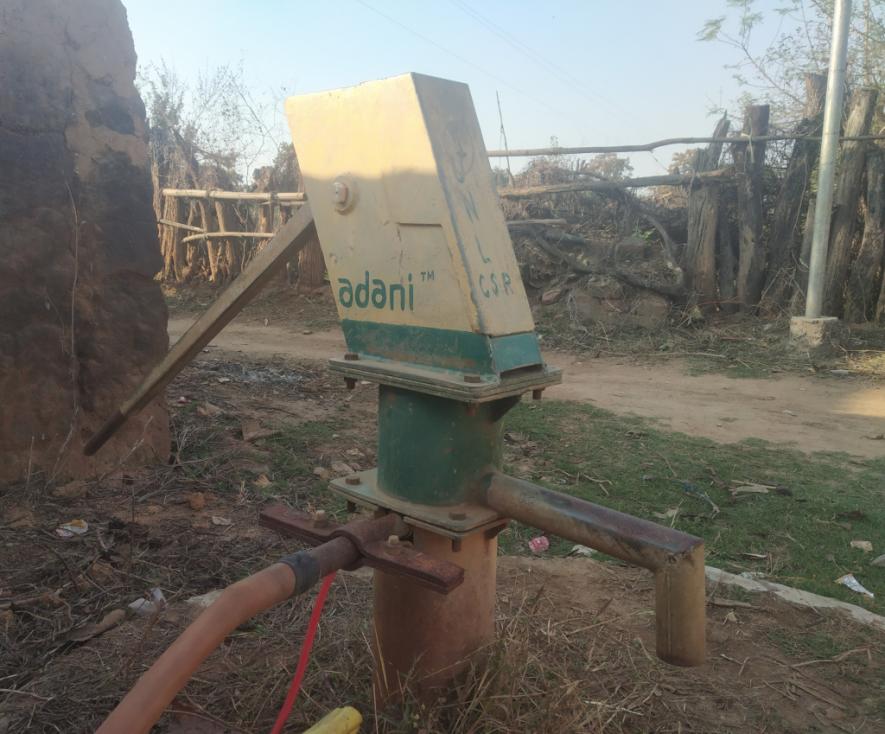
(575, 644)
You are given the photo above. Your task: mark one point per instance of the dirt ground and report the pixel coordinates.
(811, 413)
(576, 649)
(258, 419)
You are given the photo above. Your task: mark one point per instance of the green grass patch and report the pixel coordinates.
(739, 345)
(803, 528)
(292, 462)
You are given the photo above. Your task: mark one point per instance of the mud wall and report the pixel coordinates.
(81, 318)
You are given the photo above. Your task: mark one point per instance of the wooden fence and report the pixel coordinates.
(747, 238)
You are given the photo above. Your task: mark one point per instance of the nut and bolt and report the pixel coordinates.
(353, 481)
(537, 393)
(340, 195)
(457, 515)
(473, 379)
(350, 383)
(351, 356)
(392, 541)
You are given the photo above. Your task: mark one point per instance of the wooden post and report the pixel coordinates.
(228, 247)
(864, 278)
(311, 267)
(727, 251)
(207, 212)
(846, 199)
(786, 220)
(170, 241)
(703, 218)
(750, 162)
(265, 222)
(194, 252)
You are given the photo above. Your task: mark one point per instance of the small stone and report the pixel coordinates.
(18, 517)
(196, 500)
(252, 430)
(204, 600)
(339, 467)
(71, 490)
(208, 410)
(321, 472)
(880, 561)
(552, 296)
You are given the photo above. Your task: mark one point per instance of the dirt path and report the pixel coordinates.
(808, 413)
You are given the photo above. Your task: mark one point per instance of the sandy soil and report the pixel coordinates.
(811, 413)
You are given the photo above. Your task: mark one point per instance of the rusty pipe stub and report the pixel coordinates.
(676, 558)
(370, 539)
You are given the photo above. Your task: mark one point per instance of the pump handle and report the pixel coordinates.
(292, 237)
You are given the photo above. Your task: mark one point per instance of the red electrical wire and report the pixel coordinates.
(304, 656)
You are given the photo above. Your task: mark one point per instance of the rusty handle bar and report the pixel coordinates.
(676, 558)
(292, 237)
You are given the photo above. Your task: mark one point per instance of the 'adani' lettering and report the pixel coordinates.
(376, 293)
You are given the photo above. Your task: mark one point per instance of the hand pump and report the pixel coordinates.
(434, 311)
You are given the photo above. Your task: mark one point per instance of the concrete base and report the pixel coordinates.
(820, 336)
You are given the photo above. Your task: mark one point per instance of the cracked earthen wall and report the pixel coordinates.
(81, 317)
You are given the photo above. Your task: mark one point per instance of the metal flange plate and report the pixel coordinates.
(445, 383)
(454, 521)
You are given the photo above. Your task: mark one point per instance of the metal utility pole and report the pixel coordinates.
(827, 167)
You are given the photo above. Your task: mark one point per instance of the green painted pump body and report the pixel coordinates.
(433, 450)
(427, 285)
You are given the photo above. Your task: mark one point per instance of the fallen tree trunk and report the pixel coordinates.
(648, 147)
(845, 204)
(866, 270)
(785, 233)
(612, 185)
(550, 240)
(219, 194)
(750, 162)
(703, 223)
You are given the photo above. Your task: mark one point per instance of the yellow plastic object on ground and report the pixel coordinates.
(346, 720)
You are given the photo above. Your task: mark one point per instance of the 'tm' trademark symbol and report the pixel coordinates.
(427, 275)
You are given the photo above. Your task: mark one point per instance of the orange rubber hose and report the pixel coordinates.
(154, 691)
